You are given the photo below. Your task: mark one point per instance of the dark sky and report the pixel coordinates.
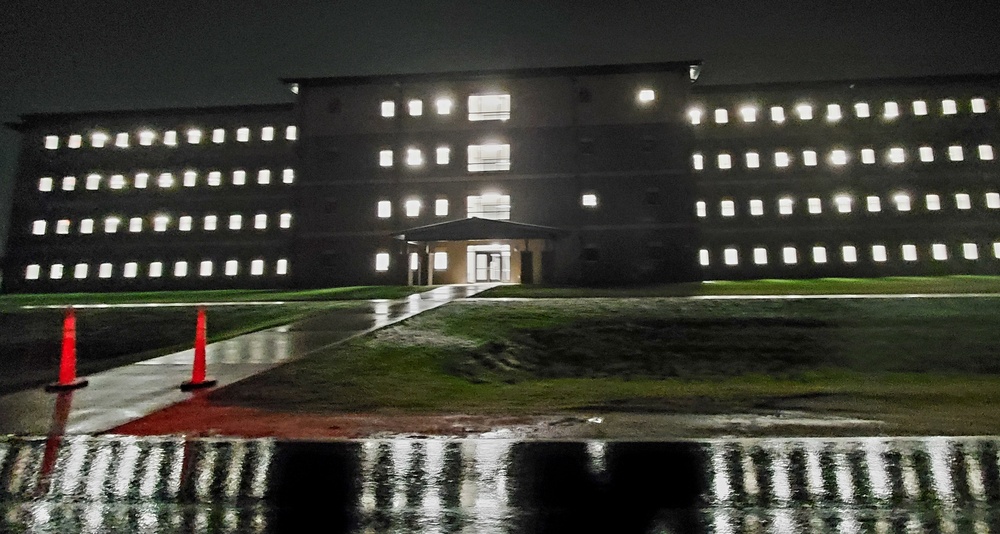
(62, 55)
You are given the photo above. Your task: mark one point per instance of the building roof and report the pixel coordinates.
(987, 78)
(474, 228)
(582, 70)
(30, 119)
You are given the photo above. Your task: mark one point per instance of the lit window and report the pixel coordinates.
(190, 178)
(388, 108)
(281, 267)
(939, 252)
(38, 227)
(897, 155)
(69, 183)
(809, 158)
(32, 272)
(986, 152)
(117, 181)
(993, 200)
(267, 133)
(838, 157)
(933, 202)
(701, 209)
(170, 138)
(264, 176)
(232, 267)
(909, 252)
(288, 176)
(731, 256)
(489, 107)
(135, 225)
(184, 223)
(180, 269)
(214, 178)
(62, 226)
(698, 161)
(441, 207)
(849, 254)
(926, 154)
(156, 269)
(440, 261)
(874, 204)
(384, 209)
(879, 254)
(414, 157)
(815, 205)
(75, 141)
(962, 201)
(194, 136)
(833, 113)
(778, 114)
(165, 180)
(756, 207)
(970, 251)
(789, 255)
(753, 160)
(205, 268)
(382, 261)
(105, 270)
(949, 107)
(785, 206)
(781, 159)
(80, 271)
(955, 153)
(291, 133)
(805, 111)
(861, 110)
(210, 223)
(243, 135)
(589, 200)
(256, 267)
(385, 158)
(87, 226)
(867, 156)
(415, 108)
(121, 140)
(131, 270)
(646, 96)
(721, 116)
(260, 221)
(141, 180)
(748, 113)
(996, 250)
(412, 208)
(218, 135)
(93, 182)
(694, 115)
(891, 110)
(235, 221)
(978, 105)
(285, 220)
(160, 223)
(725, 161)
(98, 139)
(111, 225)
(56, 271)
(703, 258)
(45, 184)
(443, 106)
(493, 157)
(919, 107)
(51, 142)
(760, 256)
(819, 254)
(488, 206)
(843, 203)
(239, 177)
(443, 155)
(728, 208)
(902, 202)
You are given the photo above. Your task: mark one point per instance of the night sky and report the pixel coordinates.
(62, 55)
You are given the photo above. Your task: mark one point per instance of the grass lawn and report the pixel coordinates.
(818, 286)
(921, 365)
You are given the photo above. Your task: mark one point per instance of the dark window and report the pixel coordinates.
(653, 197)
(584, 95)
(586, 146)
(591, 254)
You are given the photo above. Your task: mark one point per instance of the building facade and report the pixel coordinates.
(595, 175)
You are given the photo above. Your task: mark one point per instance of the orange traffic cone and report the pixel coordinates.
(67, 362)
(198, 379)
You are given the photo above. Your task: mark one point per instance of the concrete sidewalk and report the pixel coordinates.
(123, 394)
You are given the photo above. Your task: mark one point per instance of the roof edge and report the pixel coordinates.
(63, 115)
(863, 82)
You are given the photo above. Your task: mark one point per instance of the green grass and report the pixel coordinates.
(818, 286)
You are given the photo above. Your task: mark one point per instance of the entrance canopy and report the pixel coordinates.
(475, 228)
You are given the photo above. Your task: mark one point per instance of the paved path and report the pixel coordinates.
(829, 296)
(120, 395)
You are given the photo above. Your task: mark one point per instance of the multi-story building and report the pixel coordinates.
(604, 174)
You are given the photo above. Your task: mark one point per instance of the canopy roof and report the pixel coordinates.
(476, 228)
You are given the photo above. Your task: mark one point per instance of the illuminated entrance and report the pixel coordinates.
(488, 263)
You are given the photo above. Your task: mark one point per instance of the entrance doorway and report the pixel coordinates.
(488, 267)
(489, 263)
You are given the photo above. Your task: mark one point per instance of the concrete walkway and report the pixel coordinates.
(120, 395)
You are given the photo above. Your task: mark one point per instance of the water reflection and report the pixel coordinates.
(172, 484)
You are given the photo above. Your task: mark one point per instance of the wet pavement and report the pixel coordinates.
(120, 395)
(171, 484)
